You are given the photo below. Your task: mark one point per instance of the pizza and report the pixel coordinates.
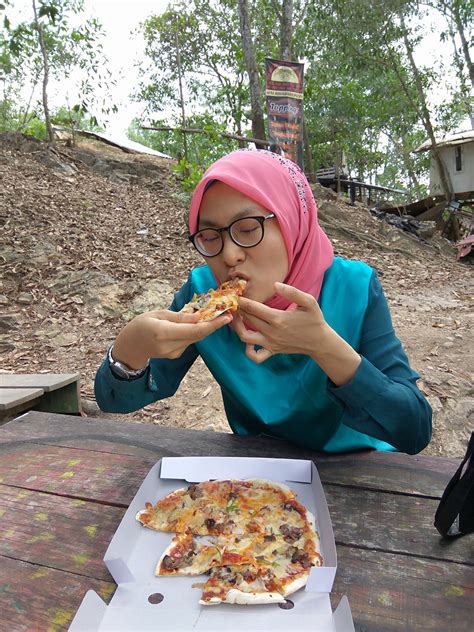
(213, 303)
(253, 538)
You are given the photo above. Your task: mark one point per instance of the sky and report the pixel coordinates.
(120, 18)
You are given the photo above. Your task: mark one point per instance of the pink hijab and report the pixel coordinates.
(279, 185)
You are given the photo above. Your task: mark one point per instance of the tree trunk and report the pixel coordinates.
(464, 43)
(444, 176)
(400, 147)
(465, 91)
(181, 98)
(286, 30)
(44, 54)
(467, 57)
(258, 125)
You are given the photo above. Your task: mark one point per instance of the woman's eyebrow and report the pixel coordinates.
(245, 212)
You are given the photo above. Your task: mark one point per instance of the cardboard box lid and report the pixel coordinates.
(139, 614)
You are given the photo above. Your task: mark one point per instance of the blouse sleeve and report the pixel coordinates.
(161, 379)
(382, 400)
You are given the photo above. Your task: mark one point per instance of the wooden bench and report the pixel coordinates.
(49, 392)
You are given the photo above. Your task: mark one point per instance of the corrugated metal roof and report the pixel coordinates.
(459, 138)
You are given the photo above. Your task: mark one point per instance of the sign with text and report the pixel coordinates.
(284, 80)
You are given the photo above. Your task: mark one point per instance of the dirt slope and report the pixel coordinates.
(92, 236)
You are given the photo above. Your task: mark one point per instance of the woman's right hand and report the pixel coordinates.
(162, 334)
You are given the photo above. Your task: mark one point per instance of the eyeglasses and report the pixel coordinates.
(246, 232)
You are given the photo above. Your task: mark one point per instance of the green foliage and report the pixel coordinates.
(75, 118)
(189, 174)
(37, 128)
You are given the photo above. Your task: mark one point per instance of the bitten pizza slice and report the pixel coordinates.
(212, 304)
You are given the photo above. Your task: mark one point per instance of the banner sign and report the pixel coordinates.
(284, 81)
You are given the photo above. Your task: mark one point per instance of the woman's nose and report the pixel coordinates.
(232, 253)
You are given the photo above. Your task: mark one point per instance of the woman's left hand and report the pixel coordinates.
(299, 329)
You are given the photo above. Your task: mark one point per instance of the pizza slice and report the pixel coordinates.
(273, 574)
(212, 304)
(243, 584)
(188, 556)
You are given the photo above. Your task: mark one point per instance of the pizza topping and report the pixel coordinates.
(195, 491)
(291, 534)
(301, 557)
(172, 563)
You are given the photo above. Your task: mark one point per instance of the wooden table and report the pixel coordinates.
(52, 392)
(65, 483)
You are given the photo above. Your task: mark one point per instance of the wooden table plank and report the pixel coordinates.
(62, 533)
(426, 476)
(47, 381)
(414, 474)
(38, 599)
(358, 515)
(12, 397)
(388, 593)
(111, 479)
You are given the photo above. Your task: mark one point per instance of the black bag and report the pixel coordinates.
(455, 514)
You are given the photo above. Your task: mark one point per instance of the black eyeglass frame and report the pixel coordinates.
(260, 219)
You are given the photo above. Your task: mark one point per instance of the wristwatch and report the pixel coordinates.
(122, 371)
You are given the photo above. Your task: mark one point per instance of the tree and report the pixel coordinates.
(45, 57)
(211, 62)
(49, 45)
(258, 125)
(367, 39)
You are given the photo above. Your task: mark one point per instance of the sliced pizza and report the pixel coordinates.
(261, 541)
(213, 303)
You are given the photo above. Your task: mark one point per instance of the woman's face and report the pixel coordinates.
(263, 264)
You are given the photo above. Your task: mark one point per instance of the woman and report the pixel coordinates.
(311, 355)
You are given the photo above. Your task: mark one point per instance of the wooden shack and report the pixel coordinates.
(457, 153)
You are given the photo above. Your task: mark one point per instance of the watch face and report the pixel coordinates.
(118, 370)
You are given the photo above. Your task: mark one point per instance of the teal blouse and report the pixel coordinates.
(289, 396)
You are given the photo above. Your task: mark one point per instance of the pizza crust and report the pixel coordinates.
(235, 596)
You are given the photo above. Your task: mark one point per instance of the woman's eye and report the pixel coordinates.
(247, 231)
(208, 238)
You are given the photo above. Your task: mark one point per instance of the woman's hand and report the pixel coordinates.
(296, 330)
(162, 334)
(299, 329)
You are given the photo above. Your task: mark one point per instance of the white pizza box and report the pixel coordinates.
(134, 551)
